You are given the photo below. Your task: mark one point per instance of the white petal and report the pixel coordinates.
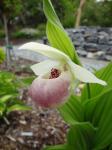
(45, 50)
(84, 75)
(44, 67)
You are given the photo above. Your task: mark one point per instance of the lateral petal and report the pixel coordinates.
(44, 67)
(84, 75)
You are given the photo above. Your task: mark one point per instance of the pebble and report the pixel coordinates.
(23, 122)
(26, 134)
(11, 138)
(20, 140)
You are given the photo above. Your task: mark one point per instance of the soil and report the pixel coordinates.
(31, 130)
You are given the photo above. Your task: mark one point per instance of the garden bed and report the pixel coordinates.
(30, 129)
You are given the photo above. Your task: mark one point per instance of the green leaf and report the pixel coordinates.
(5, 98)
(17, 101)
(72, 111)
(2, 55)
(56, 34)
(2, 108)
(110, 147)
(99, 112)
(96, 89)
(80, 136)
(50, 13)
(28, 80)
(57, 147)
(8, 83)
(18, 107)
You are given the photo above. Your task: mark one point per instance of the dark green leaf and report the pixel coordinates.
(80, 136)
(99, 112)
(95, 89)
(72, 110)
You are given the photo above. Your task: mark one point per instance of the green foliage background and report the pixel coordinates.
(30, 13)
(2, 55)
(10, 86)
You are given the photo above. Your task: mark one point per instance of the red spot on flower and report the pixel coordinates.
(55, 73)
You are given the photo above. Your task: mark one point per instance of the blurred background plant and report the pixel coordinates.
(2, 55)
(10, 88)
(22, 14)
(9, 94)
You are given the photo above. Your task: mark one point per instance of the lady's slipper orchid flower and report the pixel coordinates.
(55, 76)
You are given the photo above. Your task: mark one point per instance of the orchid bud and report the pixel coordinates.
(51, 92)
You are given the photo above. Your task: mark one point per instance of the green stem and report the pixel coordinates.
(89, 91)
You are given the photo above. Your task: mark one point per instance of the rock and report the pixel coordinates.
(78, 45)
(103, 47)
(108, 57)
(75, 30)
(82, 53)
(110, 30)
(109, 51)
(110, 37)
(90, 55)
(91, 39)
(100, 53)
(91, 47)
(77, 37)
(103, 38)
(110, 42)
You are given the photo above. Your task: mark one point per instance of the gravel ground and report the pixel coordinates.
(33, 129)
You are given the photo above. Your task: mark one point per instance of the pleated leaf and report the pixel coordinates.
(99, 113)
(56, 34)
(72, 110)
(96, 89)
(80, 136)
